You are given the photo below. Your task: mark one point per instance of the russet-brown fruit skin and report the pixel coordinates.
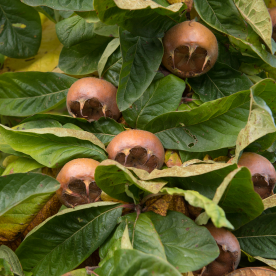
(230, 253)
(92, 98)
(272, 13)
(190, 49)
(253, 271)
(77, 182)
(137, 148)
(262, 171)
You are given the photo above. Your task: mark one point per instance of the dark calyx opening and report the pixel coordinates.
(138, 158)
(92, 110)
(262, 186)
(80, 196)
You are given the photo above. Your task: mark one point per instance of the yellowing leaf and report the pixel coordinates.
(271, 4)
(47, 56)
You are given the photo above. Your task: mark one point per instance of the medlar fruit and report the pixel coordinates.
(77, 182)
(137, 148)
(230, 253)
(272, 13)
(92, 98)
(262, 171)
(190, 49)
(253, 271)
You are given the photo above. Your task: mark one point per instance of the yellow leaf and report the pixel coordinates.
(271, 4)
(47, 57)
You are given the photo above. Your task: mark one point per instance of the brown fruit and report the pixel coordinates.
(92, 98)
(253, 271)
(262, 171)
(190, 49)
(272, 13)
(137, 148)
(230, 253)
(77, 182)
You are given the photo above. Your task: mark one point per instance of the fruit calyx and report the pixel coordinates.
(190, 49)
(92, 98)
(77, 182)
(262, 171)
(137, 148)
(230, 253)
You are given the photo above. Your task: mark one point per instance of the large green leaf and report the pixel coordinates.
(160, 97)
(5, 268)
(68, 238)
(230, 196)
(105, 129)
(21, 198)
(114, 178)
(113, 66)
(213, 125)
(195, 199)
(141, 59)
(256, 14)
(220, 81)
(7, 254)
(20, 29)
(188, 246)
(83, 58)
(53, 147)
(74, 30)
(27, 93)
(66, 5)
(101, 28)
(21, 165)
(258, 237)
(126, 262)
(142, 18)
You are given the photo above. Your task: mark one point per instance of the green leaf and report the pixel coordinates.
(141, 59)
(126, 262)
(38, 124)
(144, 236)
(125, 242)
(74, 234)
(105, 129)
(113, 178)
(109, 50)
(21, 198)
(112, 69)
(27, 93)
(220, 81)
(7, 254)
(79, 272)
(74, 30)
(260, 123)
(5, 268)
(106, 30)
(256, 15)
(66, 5)
(89, 16)
(188, 246)
(161, 96)
(238, 208)
(211, 126)
(20, 29)
(141, 18)
(21, 165)
(195, 199)
(48, 12)
(258, 237)
(83, 58)
(53, 147)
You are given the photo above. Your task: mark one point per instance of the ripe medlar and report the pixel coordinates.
(230, 253)
(77, 182)
(137, 148)
(253, 271)
(272, 13)
(92, 98)
(190, 49)
(262, 171)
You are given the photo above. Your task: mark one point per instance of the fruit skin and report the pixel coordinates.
(230, 253)
(146, 144)
(262, 171)
(87, 93)
(272, 13)
(185, 47)
(79, 175)
(253, 271)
